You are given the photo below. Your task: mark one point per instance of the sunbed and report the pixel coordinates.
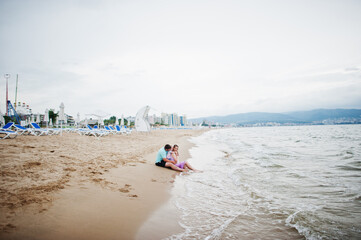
(83, 131)
(109, 129)
(7, 126)
(122, 130)
(52, 131)
(113, 130)
(5, 131)
(97, 132)
(23, 130)
(119, 129)
(38, 130)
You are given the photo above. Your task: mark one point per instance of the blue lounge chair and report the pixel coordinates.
(38, 130)
(91, 131)
(52, 131)
(7, 126)
(97, 132)
(122, 130)
(5, 131)
(110, 130)
(119, 129)
(23, 130)
(83, 131)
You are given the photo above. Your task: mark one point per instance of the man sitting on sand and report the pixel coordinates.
(162, 160)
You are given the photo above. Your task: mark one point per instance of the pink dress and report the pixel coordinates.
(178, 164)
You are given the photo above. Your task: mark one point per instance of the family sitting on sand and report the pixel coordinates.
(168, 157)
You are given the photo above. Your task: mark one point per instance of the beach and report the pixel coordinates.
(81, 187)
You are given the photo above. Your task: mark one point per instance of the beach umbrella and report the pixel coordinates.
(100, 121)
(26, 122)
(57, 121)
(2, 120)
(46, 117)
(51, 122)
(61, 117)
(38, 118)
(77, 119)
(141, 120)
(32, 118)
(61, 113)
(128, 121)
(122, 121)
(86, 122)
(116, 121)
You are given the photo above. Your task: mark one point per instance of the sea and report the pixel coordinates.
(289, 182)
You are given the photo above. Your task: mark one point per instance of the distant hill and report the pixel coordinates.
(289, 117)
(322, 114)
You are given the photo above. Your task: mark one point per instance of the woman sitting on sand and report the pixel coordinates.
(173, 155)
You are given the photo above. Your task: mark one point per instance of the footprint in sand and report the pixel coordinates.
(125, 189)
(8, 227)
(43, 210)
(98, 179)
(29, 147)
(70, 169)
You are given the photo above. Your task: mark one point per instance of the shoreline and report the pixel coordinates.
(109, 195)
(167, 209)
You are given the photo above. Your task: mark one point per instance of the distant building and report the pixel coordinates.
(70, 120)
(183, 120)
(170, 119)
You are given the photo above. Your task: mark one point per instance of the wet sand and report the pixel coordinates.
(80, 187)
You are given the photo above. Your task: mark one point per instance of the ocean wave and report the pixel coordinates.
(313, 224)
(356, 163)
(348, 168)
(265, 163)
(296, 175)
(217, 232)
(357, 198)
(295, 220)
(274, 165)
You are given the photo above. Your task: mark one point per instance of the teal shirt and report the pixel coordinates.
(162, 153)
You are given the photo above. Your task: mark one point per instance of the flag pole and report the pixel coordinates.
(16, 91)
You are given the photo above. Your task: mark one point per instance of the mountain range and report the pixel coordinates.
(299, 117)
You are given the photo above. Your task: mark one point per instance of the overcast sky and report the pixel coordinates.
(198, 58)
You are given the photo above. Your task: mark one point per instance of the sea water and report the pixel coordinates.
(273, 183)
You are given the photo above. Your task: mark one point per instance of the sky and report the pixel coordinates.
(198, 58)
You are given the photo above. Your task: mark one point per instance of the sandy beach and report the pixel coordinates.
(80, 187)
